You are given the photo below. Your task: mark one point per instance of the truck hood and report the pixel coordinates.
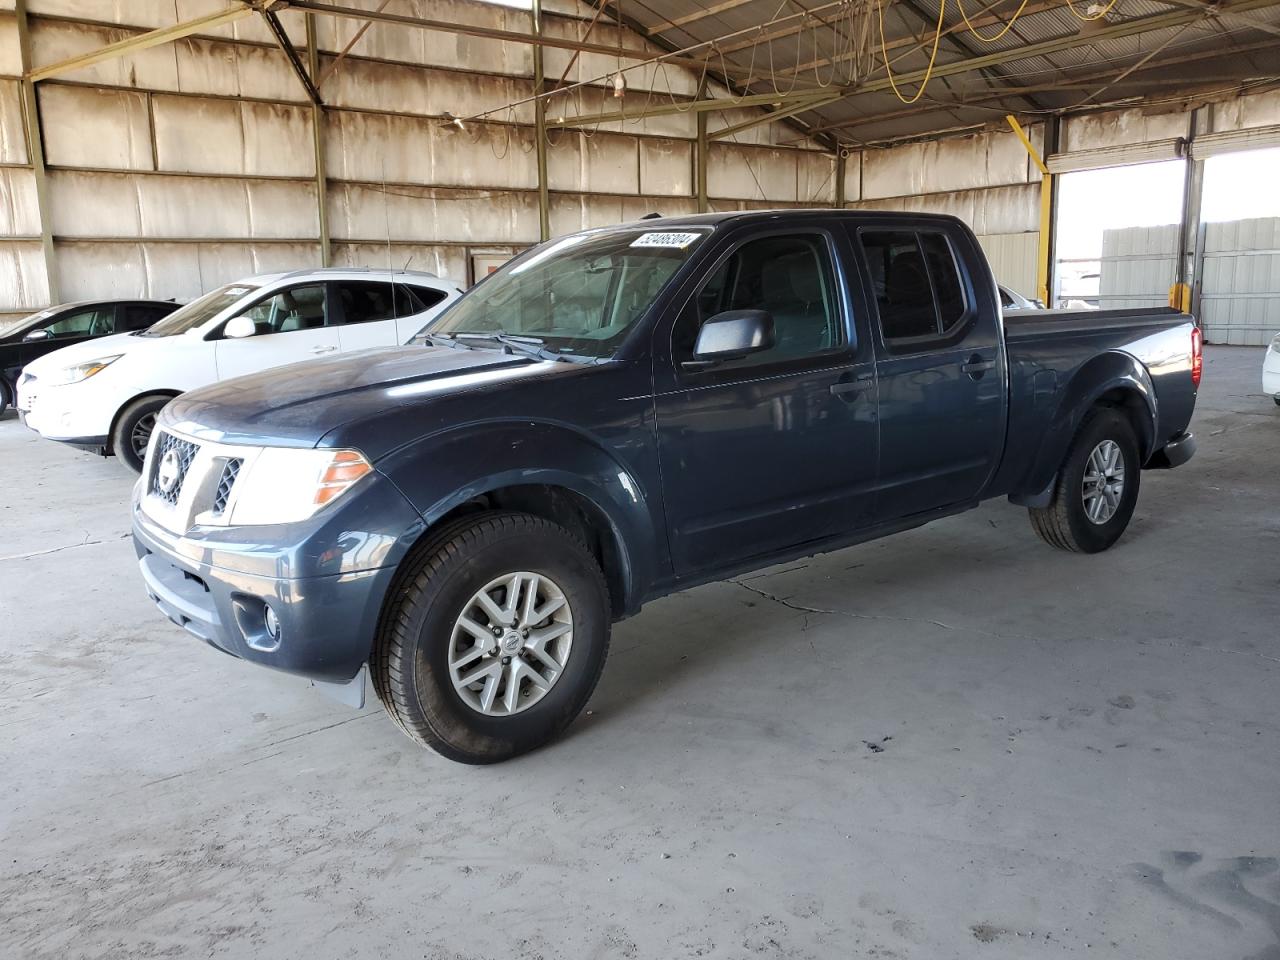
(117, 343)
(297, 404)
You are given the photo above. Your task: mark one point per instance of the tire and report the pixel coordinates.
(420, 636)
(1065, 523)
(1276, 399)
(133, 429)
(4, 397)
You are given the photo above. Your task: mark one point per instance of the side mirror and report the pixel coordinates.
(238, 328)
(730, 335)
(41, 334)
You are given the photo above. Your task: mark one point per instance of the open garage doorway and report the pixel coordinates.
(1116, 235)
(1238, 292)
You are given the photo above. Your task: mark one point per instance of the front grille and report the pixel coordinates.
(230, 470)
(184, 452)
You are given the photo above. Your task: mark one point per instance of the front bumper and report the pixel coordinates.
(217, 587)
(48, 413)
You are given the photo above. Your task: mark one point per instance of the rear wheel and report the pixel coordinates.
(495, 639)
(1096, 489)
(4, 397)
(133, 430)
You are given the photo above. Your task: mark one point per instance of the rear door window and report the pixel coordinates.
(139, 316)
(917, 285)
(365, 301)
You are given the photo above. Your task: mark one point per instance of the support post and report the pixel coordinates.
(700, 154)
(317, 137)
(1048, 185)
(540, 125)
(35, 154)
(1186, 281)
(841, 158)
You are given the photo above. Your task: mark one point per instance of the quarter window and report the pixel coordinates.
(791, 277)
(916, 283)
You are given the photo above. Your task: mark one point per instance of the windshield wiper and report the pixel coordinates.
(444, 339)
(533, 346)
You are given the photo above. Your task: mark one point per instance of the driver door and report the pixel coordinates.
(292, 324)
(780, 447)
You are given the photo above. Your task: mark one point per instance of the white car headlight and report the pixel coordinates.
(1275, 343)
(284, 485)
(82, 371)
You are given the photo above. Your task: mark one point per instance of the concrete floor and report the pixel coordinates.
(953, 743)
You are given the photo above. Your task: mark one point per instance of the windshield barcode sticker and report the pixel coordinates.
(676, 241)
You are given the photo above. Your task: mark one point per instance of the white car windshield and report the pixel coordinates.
(199, 311)
(578, 296)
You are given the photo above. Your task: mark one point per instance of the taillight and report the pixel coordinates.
(1197, 356)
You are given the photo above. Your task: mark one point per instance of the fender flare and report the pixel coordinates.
(1113, 373)
(442, 472)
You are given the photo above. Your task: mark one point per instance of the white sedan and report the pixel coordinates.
(1271, 370)
(104, 395)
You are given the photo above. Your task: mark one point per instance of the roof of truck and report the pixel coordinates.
(790, 213)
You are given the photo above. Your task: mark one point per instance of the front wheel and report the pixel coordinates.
(495, 639)
(133, 430)
(1096, 489)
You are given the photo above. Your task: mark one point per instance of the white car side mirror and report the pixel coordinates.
(238, 328)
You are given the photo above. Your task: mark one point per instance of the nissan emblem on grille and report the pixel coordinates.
(173, 460)
(167, 472)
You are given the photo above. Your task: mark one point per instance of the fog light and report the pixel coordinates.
(272, 623)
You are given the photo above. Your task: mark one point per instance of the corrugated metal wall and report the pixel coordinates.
(1137, 267)
(987, 180)
(1240, 294)
(192, 163)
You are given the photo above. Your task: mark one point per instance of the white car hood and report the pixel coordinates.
(118, 343)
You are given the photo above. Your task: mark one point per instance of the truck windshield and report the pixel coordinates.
(198, 311)
(579, 295)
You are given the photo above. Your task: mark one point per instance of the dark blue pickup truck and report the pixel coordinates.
(620, 414)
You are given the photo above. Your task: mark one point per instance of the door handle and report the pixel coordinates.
(849, 387)
(975, 366)
(319, 350)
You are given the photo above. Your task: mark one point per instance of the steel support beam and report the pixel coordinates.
(494, 33)
(1186, 281)
(35, 154)
(291, 54)
(1045, 282)
(540, 125)
(318, 122)
(700, 154)
(152, 38)
(842, 157)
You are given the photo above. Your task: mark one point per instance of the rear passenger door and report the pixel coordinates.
(939, 366)
(365, 311)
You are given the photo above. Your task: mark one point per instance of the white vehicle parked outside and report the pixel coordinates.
(1271, 370)
(104, 395)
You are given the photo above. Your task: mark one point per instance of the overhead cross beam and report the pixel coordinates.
(152, 38)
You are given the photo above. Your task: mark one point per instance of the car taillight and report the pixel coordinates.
(1197, 356)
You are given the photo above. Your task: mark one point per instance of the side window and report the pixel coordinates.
(411, 300)
(365, 301)
(94, 322)
(139, 316)
(916, 283)
(297, 308)
(789, 276)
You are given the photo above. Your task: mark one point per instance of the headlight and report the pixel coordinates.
(284, 485)
(83, 371)
(1275, 343)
